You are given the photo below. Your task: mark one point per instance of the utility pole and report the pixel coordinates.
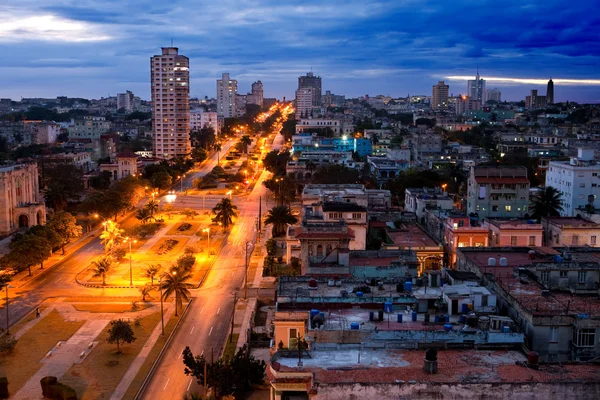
(259, 212)
(246, 273)
(204, 380)
(233, 317)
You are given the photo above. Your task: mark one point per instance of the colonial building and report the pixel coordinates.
(21, 205)
(126, 164)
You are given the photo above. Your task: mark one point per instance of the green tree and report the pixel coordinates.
(547, 203)
(111, 235)
(271, 246)
(145, 290)
(217, 147)
(162, 180)
(29, 250)
(151, 271)
(280, 217)
(143, 214)
(225, 212)
(65, 225)
(101, 267)
(246, 141)
(276, 162)
(284, 189)
(189, 213)
(63, 183)
(120, 332)
(199, 154)
(152, 206)
(335, 174)
(176, 283)
(45, 232)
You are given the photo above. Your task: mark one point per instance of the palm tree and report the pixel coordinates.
(151, 271)
(280, 217)
(245, 141)
(111, 235)
(152, 206)
(547, 203)
(217, 147)
(225, 211)
(175, 282)
(101, 268)
(145, 291)
(143, 214)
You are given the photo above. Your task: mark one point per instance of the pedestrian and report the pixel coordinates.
(37, 312)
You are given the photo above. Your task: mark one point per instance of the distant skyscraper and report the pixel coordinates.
(226, 101)
(170, 79)
(304, 102)
(550, 92)
(311, 81)
(439, 95)
(125, 101)
(476, 89)
(256, 97)
(494, 94)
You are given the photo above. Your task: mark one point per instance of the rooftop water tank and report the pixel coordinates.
(447, 327)
(354, 326)
(408, 286)
(387, 306)
(359, 294)
(503, 262)
(491, 262)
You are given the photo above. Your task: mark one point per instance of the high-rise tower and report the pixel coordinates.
(314, 82)
(550, 92)
(226, 92)
(476, 89)
(170, 80)
(439, 96)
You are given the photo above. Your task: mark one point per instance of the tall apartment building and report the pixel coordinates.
(494, 94)
(170, 79)
(476, 89)
(226, 96)
(304, 102)
(311, 81)
(256, 96)
(577, 180)
(439, 95)
(498, 192)
(550, 92)
(125, 101)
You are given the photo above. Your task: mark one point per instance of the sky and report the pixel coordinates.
(97, 48)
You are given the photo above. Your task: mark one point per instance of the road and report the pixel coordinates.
(207, 323)
(59, 281)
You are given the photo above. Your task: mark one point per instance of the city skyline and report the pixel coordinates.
(85, 51)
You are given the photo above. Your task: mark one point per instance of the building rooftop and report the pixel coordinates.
(341, 190)
(454, 366)
(571, 222)
(342, 206)
(514, 224)
(411, 235)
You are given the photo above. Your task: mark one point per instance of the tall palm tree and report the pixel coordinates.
(101, 268)
(111, 235)
(280, 217)
(151, 271)
(143, 214)
(217, 147)
(175, 282)
(225, 212)
(245, 141)
(152, 206)
(547, 203)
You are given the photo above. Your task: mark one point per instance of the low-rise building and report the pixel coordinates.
(126, 164)
(463, 232)
(89, 128)
(570, 231)
(200, 119)
(419, 200)
(514, 232)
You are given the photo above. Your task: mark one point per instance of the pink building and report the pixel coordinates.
(514, 233)
(570, 231)
(459, 232)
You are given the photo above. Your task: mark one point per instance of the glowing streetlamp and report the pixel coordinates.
(229, 193)
(162, 313)
(207, 230)
(130, 261)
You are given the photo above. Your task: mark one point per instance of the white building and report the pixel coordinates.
(200, 118)
(420, 200)
(170, 79)
(476, 89)
(578, 181)
(226, 100)
(41, 132)
(125, 101)
(311, 124)
(89, 128)
(304, 102)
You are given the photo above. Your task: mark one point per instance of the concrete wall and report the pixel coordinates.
(546, 391)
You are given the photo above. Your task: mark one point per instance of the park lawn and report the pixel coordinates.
(189, 232)
(24, 361)
(109, 308)
(145, 369)
(98, 375)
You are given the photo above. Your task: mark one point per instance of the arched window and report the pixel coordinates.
(328, 249)
(320, 250)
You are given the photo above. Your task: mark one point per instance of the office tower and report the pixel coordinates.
(311, 81)
(439, 95)
(476, 89)
(170, 79)
(494, 94)
(226, 91)
(550, 92)
(256, 97)
(304, 102)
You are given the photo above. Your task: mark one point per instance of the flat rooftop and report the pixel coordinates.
(454, 366)
(411, 235)
(572, 222)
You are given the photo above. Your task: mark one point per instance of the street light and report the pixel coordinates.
(246, 272)
(130, 261)
(7, 322)
(181, 182)
(162, 313)
(207, 230)
(229, 193)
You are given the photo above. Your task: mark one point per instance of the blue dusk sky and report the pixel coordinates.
(94, 48)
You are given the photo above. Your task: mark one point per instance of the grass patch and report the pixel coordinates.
(231, 345)
(110, 308)
(99, 374)
(24, 361)
(97, 299)
(145, 369)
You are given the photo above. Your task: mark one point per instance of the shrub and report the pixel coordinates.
(191, 250)
(186, 261)
(52, 389)
(7, 344)
(119, 253)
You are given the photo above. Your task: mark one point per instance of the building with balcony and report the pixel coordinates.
(21, 204)
(498, 192)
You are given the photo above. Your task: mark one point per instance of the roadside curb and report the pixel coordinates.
(144, 385)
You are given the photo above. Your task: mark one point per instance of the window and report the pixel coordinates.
(581, 275)
(356, 215)
(335, 215)
(494, 208)
(544, 275)
(532, 240)
(293, 333)
(507, 208)
(553, 334)
(582, 185)
(564, 274)
(574, 240)
(513, 240)
(593, 240)
(584, 337)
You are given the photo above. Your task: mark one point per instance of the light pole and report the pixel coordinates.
(181, 183)
(246, 272)
(162, 313)
(7, 322)
(130, 261)
(207, 230)
(229, 193)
